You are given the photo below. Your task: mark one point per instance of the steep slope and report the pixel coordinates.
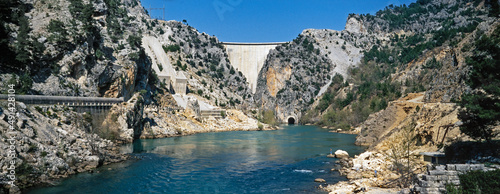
(70, 48)
(432, 61)
(206, 64)
(397, 59)
(93, 48)
(291, 77)
(79, 48)
(315, 55)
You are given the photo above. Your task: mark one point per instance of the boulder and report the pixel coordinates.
(341, 154)
(319, 180)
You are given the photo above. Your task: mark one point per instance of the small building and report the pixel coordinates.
(434, 157)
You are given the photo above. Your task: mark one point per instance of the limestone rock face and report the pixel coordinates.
(125, 121)
(291, 77)
(354, 25)
(52, 146)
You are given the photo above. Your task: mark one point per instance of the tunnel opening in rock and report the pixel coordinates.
(291, 121)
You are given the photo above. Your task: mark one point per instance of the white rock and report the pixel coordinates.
(341, 154)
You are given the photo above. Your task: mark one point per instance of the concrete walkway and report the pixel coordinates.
(64, 100)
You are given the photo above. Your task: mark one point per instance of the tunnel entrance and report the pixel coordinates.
(291, 121)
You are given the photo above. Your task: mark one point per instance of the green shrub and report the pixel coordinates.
(99, 54)
(478, 182)
(269, 117)
(171, 48)
(134, 41)
(260, 126)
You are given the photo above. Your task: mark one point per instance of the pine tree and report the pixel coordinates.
(481, 108)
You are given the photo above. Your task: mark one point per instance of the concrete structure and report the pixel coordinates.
(291, 120)
(175, 81)
(249, 58)
(202, 109)
(435, 180)
(180, 83)
(433, 157)
(66, 100)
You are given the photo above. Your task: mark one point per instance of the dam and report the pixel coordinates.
(249, 58)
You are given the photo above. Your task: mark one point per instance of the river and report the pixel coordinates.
(281, 161)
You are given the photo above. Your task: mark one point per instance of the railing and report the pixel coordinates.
(65, 100)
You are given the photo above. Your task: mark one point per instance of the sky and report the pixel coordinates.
(264, 20)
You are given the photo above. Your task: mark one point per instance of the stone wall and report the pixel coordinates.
(436, 179)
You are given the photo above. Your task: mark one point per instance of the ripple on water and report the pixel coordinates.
(303, 171)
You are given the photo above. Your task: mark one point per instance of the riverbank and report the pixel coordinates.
(231, 162)
(46, 144)
(405, 128)
(54, 142)
(162, 123)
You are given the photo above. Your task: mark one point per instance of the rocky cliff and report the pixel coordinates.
(325, 77)
(206, 64)
(93, 49)
(430, 60)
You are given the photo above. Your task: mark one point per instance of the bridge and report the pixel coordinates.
(72, 101)
(249, 58)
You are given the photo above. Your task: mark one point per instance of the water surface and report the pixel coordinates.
(282, 161)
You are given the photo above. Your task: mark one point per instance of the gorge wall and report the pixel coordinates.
(249, 58)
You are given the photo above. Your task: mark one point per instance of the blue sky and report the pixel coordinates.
(264, 20)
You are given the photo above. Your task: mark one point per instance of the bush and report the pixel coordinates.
(269, 117)
(171, 48)
(260, 126)
(478, 182)
(99, 54)
(134, 41)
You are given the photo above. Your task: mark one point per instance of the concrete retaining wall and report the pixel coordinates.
(435, 180)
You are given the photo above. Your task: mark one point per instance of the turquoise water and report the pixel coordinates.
(281, 161)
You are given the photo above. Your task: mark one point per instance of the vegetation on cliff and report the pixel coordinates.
(384, 72)
(481, 108)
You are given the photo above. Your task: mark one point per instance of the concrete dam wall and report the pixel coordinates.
(249, 58)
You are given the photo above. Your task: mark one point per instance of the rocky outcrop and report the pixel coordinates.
(411, 18)
(124, 122)
(160, 122)
(49, 143)
(292, 76)
(431, 121)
